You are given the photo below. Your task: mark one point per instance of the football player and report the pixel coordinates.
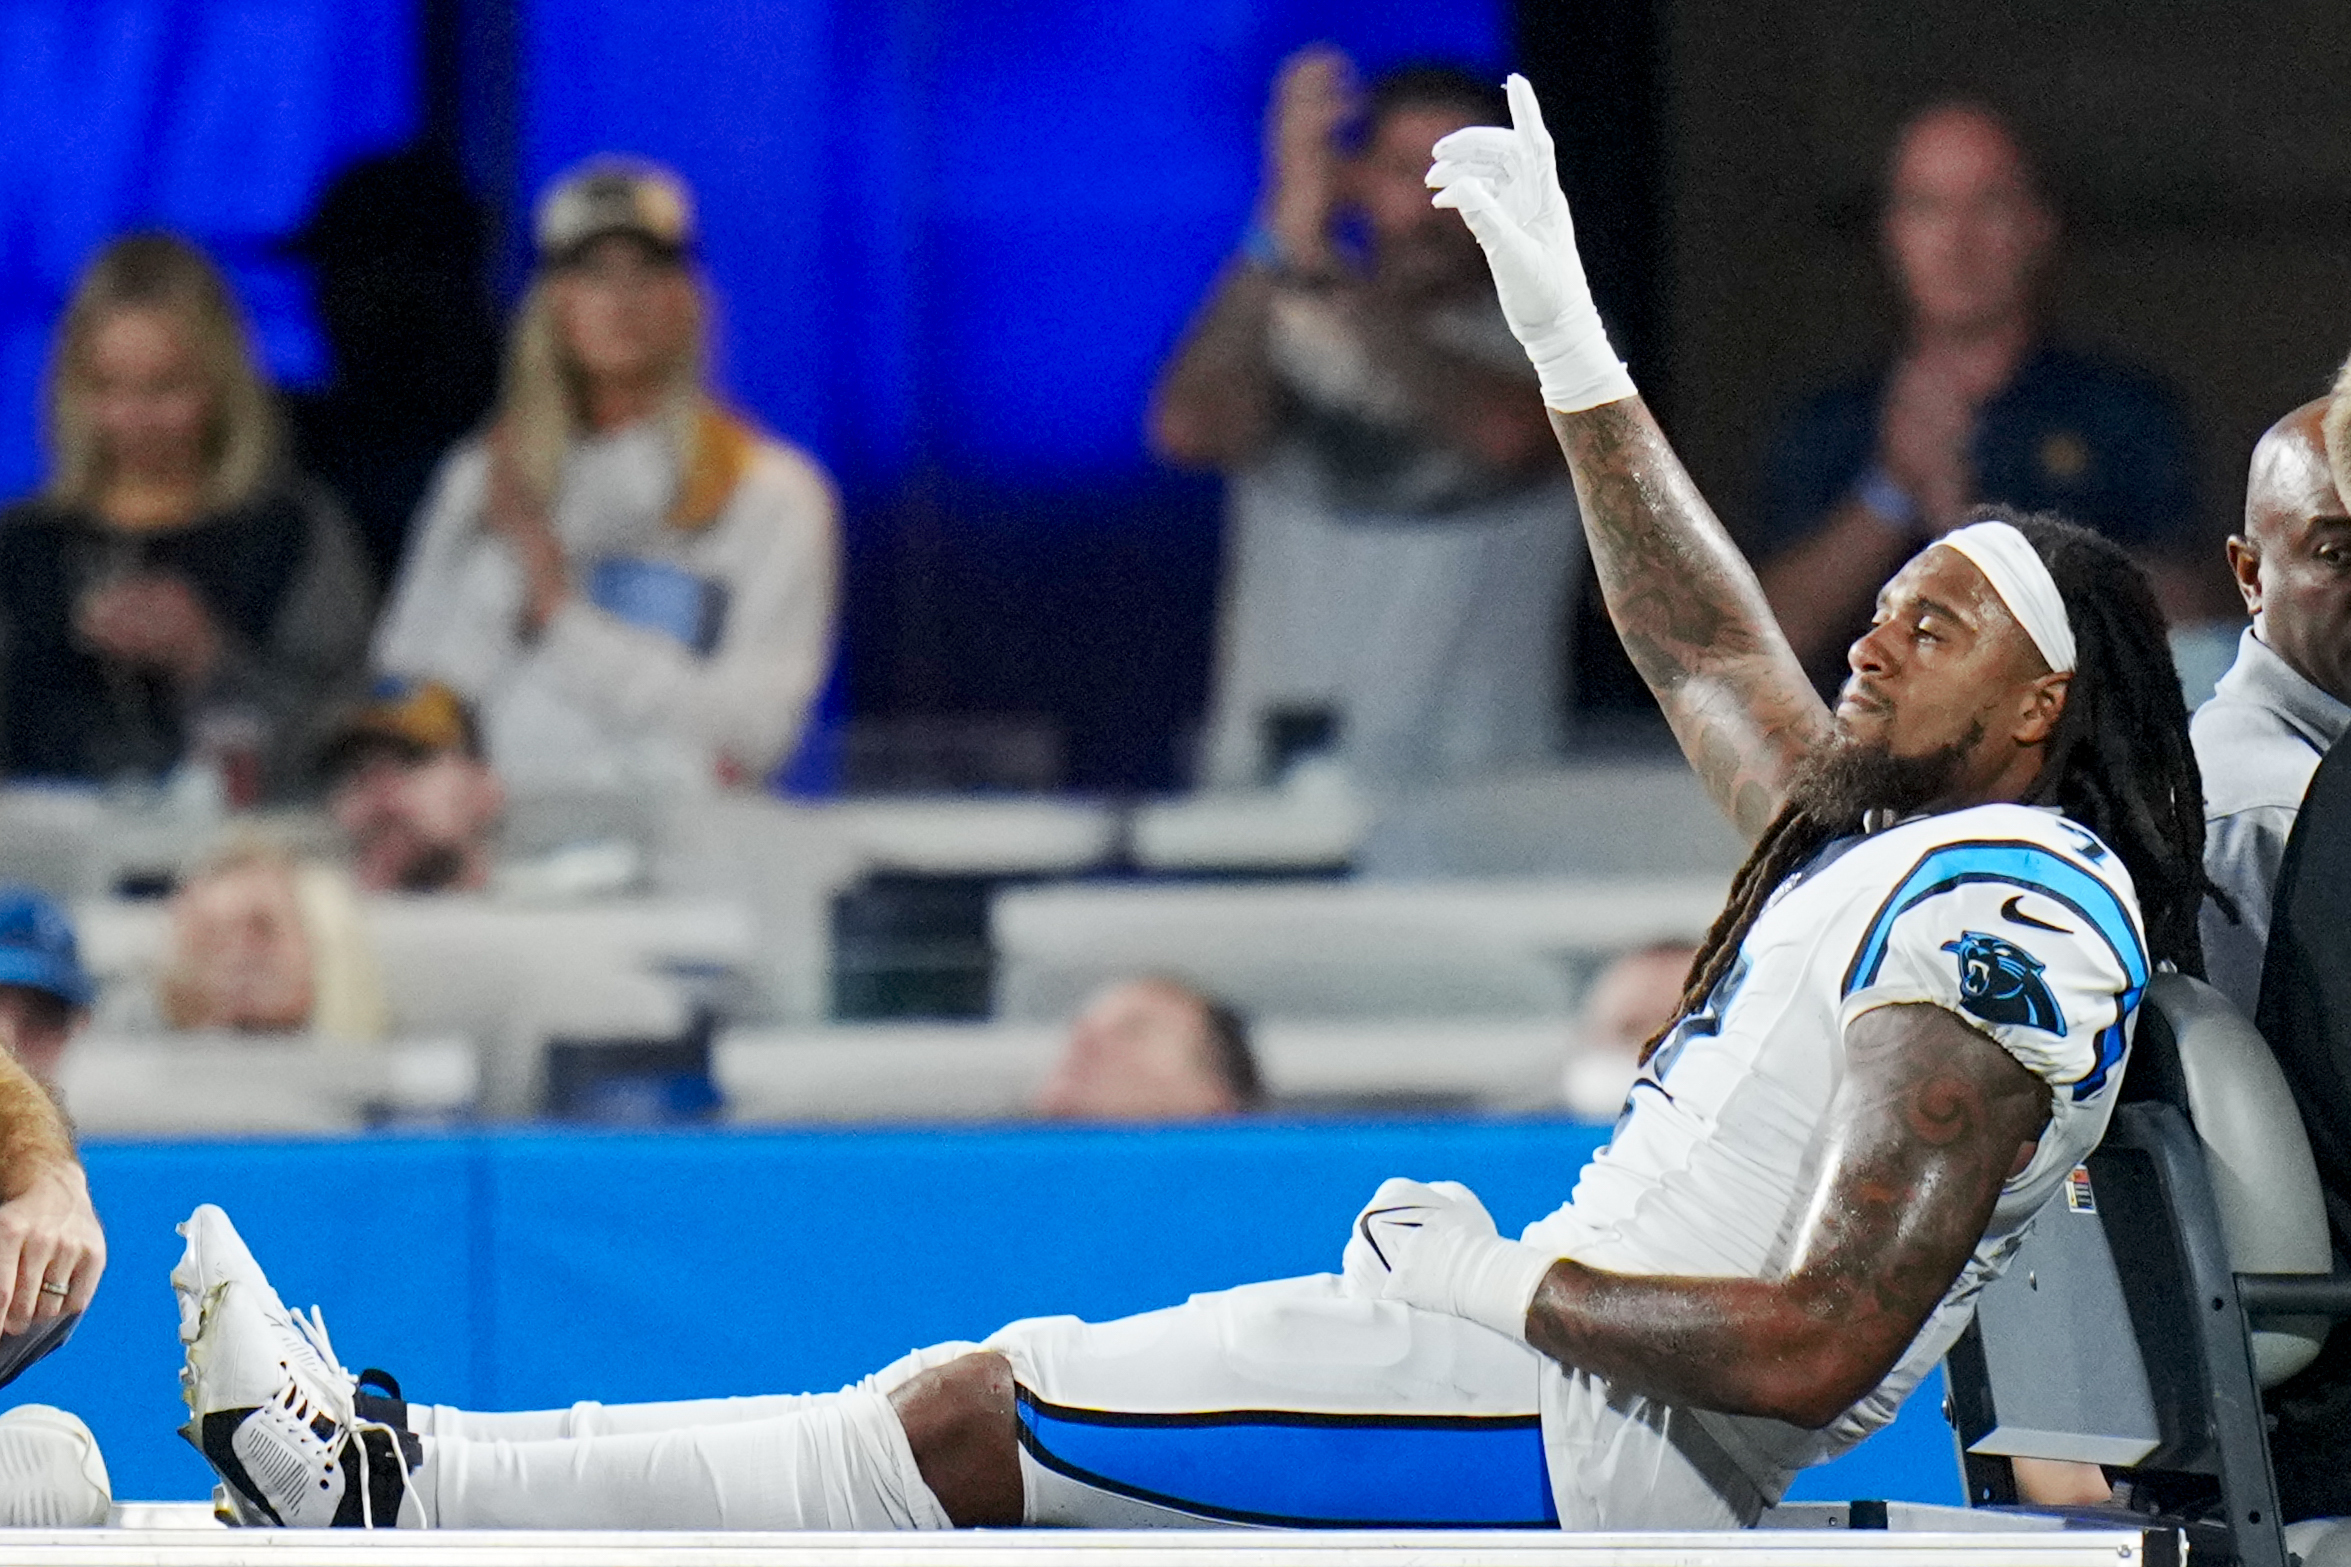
(1904, 1032)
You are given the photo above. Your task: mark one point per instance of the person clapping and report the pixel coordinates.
(632, 587)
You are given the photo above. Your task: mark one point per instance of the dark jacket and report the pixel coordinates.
(284, 581)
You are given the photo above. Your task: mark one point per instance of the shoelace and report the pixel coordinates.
(343, 1411)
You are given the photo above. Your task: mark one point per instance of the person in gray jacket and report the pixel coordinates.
(2287, 698)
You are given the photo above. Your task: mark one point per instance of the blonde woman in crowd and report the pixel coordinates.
(263, 941)
(175, 586)
(632, 587)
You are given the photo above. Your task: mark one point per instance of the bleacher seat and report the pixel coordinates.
(1338, 950)
(990, 1071)
(1594, 819)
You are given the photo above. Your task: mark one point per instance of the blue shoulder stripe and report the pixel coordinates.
(2029, 867)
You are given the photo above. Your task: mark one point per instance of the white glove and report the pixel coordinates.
(1435, 1247)
(1505, 185)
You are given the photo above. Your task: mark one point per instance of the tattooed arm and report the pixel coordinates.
(1687, 605)
(1931, 1118)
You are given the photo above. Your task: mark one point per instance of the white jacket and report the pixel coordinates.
(598, 702)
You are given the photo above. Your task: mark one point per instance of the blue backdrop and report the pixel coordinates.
(952, 234)
(530, 1270)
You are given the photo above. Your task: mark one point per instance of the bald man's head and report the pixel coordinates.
(2293, 561)
(1966, 227)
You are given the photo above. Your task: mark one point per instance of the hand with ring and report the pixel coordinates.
(52, 1250)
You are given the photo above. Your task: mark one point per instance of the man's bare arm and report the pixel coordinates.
(1217, 401)
(48, 1231)
(33, 1134)
(1690, 613)
(1931, 1119)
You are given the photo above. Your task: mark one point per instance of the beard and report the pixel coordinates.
(1847, 781)
(438, 867)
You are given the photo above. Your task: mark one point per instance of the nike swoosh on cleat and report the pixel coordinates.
(2010, 911)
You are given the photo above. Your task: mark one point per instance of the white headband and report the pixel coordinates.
(2021, 578)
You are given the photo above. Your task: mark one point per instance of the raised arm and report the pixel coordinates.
(1217, 402)
(1683, 599)
(1930, 1120)
(1692, 618)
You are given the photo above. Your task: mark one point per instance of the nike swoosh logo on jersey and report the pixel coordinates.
(2009, 911)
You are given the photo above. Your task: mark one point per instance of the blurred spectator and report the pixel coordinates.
(1629, 1002)
(1977, 405)
(2287, 700)
(264, 943)
(409, 789)
(44, 993)
(632, 586)
(395, 250)
(1399, 531)
(176, 589)
(1153, 1050)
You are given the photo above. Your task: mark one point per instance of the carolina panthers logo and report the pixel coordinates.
(2000, 982)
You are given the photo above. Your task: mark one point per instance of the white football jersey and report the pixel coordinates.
(2012, 917)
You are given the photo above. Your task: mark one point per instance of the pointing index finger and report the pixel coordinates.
(1526, 117)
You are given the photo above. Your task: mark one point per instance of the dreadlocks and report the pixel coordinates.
(2118, 762)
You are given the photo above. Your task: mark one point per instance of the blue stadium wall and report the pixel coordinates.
(530, 1270)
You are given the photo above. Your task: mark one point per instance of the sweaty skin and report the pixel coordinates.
(1929, 1120)
(1944, 655)
(1686, 604)
(959, 1420)
(1931, 1115)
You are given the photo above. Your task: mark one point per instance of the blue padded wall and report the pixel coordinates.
(528, 1270)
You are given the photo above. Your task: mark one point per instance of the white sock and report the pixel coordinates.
(593, 1419)
(834, 1461)
(589, 1418)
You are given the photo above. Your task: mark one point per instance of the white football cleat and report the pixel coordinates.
(51, 1475)
(272, 1411)
(217, 1257)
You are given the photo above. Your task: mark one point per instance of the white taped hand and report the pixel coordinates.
(1435, 1247)
(1505, 185)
